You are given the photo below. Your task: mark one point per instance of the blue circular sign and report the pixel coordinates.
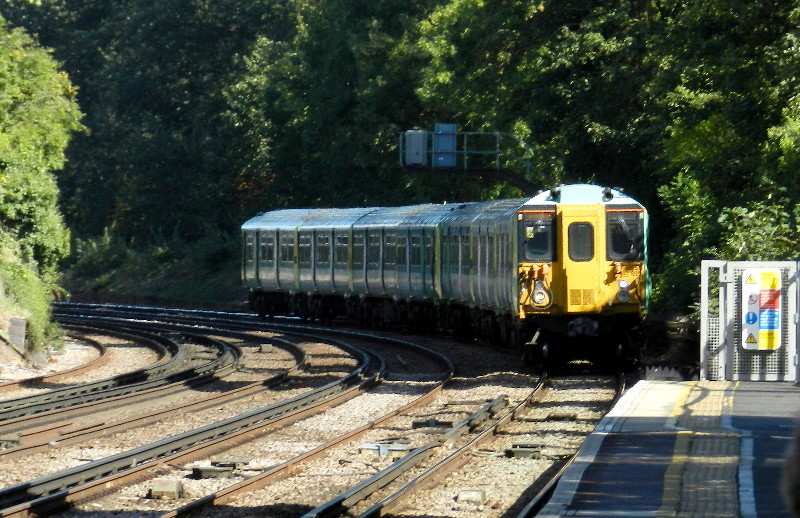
(751, 318)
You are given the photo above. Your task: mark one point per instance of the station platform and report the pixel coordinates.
(681, 449)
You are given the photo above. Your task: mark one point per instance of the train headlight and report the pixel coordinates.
(623, 295)
(540, 296)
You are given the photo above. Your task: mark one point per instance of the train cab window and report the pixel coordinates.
(581, 241)
(625, 234)
(323, 249)
(537, 238)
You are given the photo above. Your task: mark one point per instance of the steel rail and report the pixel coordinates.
(53, 412)
(57, 398)
(64, 433)
(166, 373)
(101, 359)
(248, 321)
(360, 492)
(543, 496)
(454, 460)
(56, 490)
(285, 469)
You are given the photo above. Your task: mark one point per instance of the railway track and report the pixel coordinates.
(49, 492)
(447, 423)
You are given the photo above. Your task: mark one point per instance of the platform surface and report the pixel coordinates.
(684, 449)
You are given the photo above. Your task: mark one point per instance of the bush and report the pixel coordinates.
(25, 294)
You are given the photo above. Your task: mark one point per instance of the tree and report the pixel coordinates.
(38, 116)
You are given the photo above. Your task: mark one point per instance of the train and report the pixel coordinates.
(563, 271)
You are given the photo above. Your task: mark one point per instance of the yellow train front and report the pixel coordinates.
(582, 272)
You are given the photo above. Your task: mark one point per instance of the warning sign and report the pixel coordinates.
(761, 309)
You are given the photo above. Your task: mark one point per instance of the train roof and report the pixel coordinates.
(416, 215)
(283, 219)
(433, 214)
(582, 194)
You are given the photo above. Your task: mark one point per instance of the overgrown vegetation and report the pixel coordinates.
(204, 113)
(38, 116)
(204, 271)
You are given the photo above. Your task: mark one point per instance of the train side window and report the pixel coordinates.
(454, 250)
(625, 231)
(374, 249)
(266, 252)
(538, 240)
(249, 246)
(323, 251)
(358, 251)
(466, 252)
(304, 248)
(581, 241)
(429, 249)
(340, 253)
(389, 249)
(287, 248)
(402, 245)
(416, 251)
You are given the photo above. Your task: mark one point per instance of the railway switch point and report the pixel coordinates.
(396, 450)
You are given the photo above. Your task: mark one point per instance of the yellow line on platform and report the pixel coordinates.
(673, 477)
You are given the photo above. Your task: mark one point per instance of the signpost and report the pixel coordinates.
(761, 309)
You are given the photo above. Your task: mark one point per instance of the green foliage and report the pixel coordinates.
(762, 231)
(168, 268)
(24, 294)
(203, 113)
(38, 115)
(693, 208)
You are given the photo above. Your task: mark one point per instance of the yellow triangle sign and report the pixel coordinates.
(750, 280)
(751, 339)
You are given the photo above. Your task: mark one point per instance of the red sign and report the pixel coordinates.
(770, 299)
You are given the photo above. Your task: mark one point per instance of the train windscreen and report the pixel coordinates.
(625, 234)
(537, 237)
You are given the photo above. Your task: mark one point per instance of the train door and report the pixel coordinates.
(249, 274)
(417, 274)
(359, 263)
(449, 248)
(287, 260)
(266, 260)
(583, 256)
(374, 267)
(342, 281)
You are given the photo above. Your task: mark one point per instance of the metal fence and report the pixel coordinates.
(749, 319)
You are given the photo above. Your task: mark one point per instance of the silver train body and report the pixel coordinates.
(502, 269)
